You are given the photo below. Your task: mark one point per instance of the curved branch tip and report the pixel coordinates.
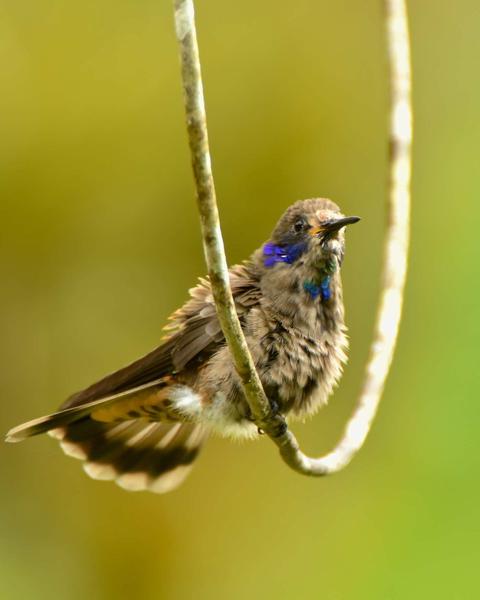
(395, 253)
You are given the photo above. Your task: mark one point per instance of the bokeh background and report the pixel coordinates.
(100, 242)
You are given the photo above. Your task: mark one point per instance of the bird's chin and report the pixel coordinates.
(331, 247)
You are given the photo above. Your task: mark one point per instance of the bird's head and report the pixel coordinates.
(311, 232)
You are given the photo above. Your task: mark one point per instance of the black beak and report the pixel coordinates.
(336, 224)
(329, 228)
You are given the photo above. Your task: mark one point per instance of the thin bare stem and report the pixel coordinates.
(395, 255)
(210, 224)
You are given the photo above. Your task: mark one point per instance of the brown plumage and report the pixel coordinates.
(143, 425)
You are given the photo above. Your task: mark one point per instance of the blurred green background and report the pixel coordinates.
(100, 242)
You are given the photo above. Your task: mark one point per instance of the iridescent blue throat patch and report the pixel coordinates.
(273, 254)
(319, 289)
(288, 254)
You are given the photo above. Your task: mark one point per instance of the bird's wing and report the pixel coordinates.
(197, 329)
(194, 334)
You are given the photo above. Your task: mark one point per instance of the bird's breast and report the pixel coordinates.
(301, 369)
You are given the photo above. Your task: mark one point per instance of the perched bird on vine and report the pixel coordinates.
(143, 425)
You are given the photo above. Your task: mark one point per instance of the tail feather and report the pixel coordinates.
(137, 455)
(126, 437)
(76, 413)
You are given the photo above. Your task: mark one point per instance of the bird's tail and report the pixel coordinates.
(135, 452)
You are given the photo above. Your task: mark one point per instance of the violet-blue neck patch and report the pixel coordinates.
(319, 289)
(288, 254)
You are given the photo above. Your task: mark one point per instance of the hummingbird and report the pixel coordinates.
(143, 425)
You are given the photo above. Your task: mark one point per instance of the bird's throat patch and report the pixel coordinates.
(273, 254)
(319, 288)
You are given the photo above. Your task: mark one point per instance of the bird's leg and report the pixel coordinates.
(271, 392)
(274, 406)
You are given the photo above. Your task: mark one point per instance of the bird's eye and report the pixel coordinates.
(299, 225)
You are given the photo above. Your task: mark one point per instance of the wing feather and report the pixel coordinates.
(195, 333)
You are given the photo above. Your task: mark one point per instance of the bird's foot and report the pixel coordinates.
(275, 412)
(274, 406)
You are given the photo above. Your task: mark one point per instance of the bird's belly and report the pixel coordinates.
(298, 378)
(229, 419)
(305, 372)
